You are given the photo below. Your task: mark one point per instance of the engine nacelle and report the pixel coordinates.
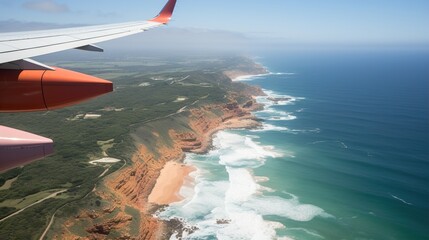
(40, 90)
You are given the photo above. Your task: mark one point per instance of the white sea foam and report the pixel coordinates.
(400, 199)
(307, 232)
(242, 151)
(274, 112)
(273, 95)
(296, 131)
(249, 77)
(241, 185)
(238, 198)
(284, 73)
(285, 238)
(339, 143)
(288, 208)
(261, 179)
(266, 127)
(187, 191)
(269, 127)
(256, 76)
(276, 115)
(287, 118)
(343, 144)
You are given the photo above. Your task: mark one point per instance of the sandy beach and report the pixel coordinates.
(240, 74)
(173, 175)
(247, 77)
(156, 173)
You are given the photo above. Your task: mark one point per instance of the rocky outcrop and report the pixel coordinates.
(186, 140)
(132, 185)
(105, 228)
(248, 104)
(151, 229)
(279, 99)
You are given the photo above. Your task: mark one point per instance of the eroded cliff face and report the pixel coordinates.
(135, 182)
(205, 123)
(130, 186)
(125, 189)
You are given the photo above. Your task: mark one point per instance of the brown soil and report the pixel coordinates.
(134, 183)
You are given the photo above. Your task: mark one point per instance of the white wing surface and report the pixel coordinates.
(27, 85)
(23, 45)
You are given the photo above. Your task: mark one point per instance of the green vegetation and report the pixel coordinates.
(77, 140)
(135, 213)
(9, 175)
(27, 200)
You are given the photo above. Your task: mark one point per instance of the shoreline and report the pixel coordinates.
(234, 123)
(173, 176)
(244, 78)
(176, 174)
(240, 74)
(155, 173)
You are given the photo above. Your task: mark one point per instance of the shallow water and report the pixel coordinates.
(345, 157)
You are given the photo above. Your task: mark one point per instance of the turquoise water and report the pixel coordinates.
(346, 157)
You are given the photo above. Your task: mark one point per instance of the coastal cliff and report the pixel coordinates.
(247, 68)
(125, 193)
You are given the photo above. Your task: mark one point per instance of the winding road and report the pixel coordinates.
(41, 200)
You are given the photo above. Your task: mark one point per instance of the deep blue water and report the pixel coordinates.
(376, 104)
(347, 157)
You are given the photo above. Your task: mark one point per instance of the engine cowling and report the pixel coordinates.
(41, 90)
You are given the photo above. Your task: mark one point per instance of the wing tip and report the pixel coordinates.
(165, 15)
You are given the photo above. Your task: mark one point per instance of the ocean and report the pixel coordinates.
(343, 154)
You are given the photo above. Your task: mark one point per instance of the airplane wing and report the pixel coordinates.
(27, 85)
(22, 45)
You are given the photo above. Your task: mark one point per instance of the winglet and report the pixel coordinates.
(165, 15)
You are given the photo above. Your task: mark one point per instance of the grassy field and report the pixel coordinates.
(78, 140)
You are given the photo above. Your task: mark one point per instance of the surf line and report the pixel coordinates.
(400, 199)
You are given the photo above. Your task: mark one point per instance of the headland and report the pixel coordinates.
(147, 128)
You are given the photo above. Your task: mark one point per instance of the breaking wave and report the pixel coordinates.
(228, 201)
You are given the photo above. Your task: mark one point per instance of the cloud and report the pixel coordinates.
(173, 39)
(12, 25)
(47, 6)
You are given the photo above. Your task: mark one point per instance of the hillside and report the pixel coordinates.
(160, 109)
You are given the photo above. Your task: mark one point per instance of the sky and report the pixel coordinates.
(288, 21)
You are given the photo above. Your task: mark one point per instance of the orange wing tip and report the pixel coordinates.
(165, 15)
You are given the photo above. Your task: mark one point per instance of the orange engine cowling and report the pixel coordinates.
(37, 90)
